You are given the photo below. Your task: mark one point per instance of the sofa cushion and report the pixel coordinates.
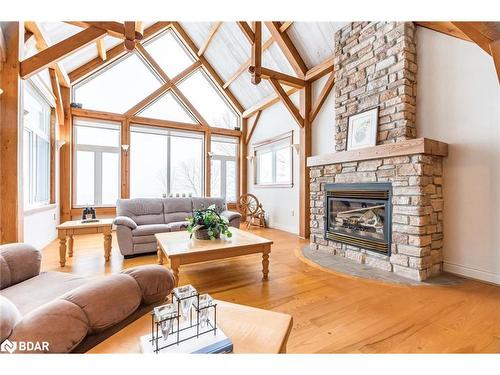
(155, 282)
(9, 317)
(200, 203)
(176, 209)
(18, 262)
(99, 302)
(41, 289)
(60, 323)
(150, 229)
(178, 226)
(141, 210)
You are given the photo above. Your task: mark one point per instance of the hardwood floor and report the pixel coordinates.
(333, 313)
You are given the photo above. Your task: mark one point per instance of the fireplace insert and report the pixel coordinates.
(359, 215)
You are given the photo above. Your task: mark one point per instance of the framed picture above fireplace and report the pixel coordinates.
(362, 131)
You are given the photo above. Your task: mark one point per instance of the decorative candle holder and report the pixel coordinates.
(190, 307)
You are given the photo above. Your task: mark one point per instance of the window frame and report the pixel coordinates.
(98, 151)
(39, 92)
(223, 166)
(270, 144)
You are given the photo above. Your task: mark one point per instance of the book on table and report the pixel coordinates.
(205, 343)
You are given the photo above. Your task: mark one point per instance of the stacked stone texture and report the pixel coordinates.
(375, 65)
(417, 217)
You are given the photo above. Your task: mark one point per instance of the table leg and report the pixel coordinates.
(70, 245)
(107, 244)
(62, 248)
(161, 257)
(174, 265)
(265, 264)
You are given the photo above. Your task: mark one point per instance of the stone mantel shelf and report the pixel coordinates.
(409, 147)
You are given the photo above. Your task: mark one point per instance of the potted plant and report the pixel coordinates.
(207, 224)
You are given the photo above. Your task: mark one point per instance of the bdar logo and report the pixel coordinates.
(8, 346)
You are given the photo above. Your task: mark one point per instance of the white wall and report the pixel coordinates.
(458, 102)
(282, 204)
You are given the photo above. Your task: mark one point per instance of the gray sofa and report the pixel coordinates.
(68, 312)
(139, 219)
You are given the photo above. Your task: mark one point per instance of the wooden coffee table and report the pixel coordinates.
(70, 228)
(251, 330)
(179, 249)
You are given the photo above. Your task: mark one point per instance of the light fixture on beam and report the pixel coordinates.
(125, 148)
(296, 147)
(251, 158)
(1, 91)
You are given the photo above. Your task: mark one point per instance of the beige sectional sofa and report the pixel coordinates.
(69, 312)
(139, 219)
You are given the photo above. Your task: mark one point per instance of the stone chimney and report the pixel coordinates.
(375, 65)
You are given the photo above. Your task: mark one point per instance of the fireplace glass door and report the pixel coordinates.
(359, 215)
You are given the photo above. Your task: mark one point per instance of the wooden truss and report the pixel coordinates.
(284, 85)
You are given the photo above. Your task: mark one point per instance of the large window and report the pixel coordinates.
(97, 162)
(165, 162)
(202, 93)
(36, 148)
(223, 168)
(273, 161)
(118, 87)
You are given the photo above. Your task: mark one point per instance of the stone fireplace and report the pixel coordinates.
(382, 205)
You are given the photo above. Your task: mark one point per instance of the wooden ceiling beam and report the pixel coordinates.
(495, 53)
(287, 102)
(256, 67)
(101, 48)
(115, 29)
(325, 91)
(42, 43)
(247, 31)
(285, 25)
(56, 89)
(288, 48)
(130, 35)
(446, 28)
(112, 55)
(278, 76)
(59, 51)
(320, 70)
(243, 68)
(266, 103)
(475, 35)
(208, 68)
(252, 128)
(213, 30)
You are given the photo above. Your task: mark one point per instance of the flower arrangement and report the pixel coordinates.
(208, 224)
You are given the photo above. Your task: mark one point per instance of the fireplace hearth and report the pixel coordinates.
(359, 215)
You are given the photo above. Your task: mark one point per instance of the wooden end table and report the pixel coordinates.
(69, 228)
(250, 329)
(179, 249)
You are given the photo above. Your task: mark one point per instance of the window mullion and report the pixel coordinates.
(98, 178)
(223, 178)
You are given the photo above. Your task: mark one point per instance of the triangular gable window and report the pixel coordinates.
(169, 53)
(168, 107)
(119, 87)
(202, 94)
